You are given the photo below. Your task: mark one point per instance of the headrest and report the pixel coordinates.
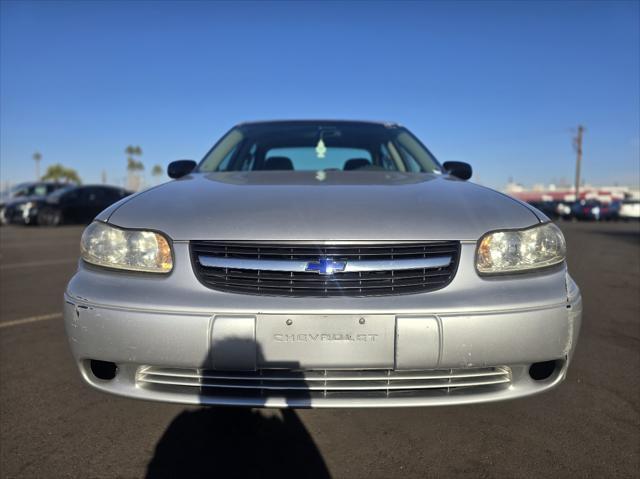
(278, 163)
(356, 164)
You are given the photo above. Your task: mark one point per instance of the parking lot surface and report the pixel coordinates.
(51, 425)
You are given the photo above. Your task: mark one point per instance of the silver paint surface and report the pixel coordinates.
(367, 205)
(173, 321)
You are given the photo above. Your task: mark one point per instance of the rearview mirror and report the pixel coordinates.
(458, 169)
(180, 168)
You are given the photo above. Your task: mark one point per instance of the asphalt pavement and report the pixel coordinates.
(52, 425)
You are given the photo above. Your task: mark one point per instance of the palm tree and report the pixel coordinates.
(133, 166)
(37, 157)
(157, 171)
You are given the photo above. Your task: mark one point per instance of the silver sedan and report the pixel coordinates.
(322, 264)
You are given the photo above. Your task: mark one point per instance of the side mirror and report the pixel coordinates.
(180, 168)
(458, 169)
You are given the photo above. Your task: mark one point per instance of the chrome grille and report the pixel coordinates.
(325, 383)
(370, 269)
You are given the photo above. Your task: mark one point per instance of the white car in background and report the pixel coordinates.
(630, 209)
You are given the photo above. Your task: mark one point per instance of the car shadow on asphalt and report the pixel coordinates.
(237, 442)
(229, 442)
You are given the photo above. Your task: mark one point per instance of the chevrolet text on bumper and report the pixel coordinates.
(322, 264)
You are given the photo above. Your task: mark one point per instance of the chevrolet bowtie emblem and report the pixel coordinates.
(326, 266)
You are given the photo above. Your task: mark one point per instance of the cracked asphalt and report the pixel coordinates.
(52, 425)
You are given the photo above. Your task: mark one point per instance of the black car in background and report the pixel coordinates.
(69, 205)
(553, 209)
(549, 208)
(22, 193)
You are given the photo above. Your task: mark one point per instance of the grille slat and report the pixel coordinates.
(311, 254)
(301, 283)
(321, 374)
(302, 277)
(333, 283)
(325, 382)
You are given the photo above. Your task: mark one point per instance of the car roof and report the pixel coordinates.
(72, 187)
(285, 123)
(28, 184)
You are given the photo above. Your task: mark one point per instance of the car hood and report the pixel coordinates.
(320, 206)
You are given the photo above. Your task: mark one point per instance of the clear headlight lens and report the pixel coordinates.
(520, 250)
(112, 247)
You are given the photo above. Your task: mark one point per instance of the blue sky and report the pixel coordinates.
(499, 85)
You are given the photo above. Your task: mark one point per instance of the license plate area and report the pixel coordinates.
(325, 341)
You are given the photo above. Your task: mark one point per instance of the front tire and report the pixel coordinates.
(50, 217)
(56, 218)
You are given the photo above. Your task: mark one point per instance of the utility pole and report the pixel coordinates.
(37, 157)
(577, 144)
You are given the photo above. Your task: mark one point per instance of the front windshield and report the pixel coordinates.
(307, 146)
(33, 189)
(14, 190)
(21, 190)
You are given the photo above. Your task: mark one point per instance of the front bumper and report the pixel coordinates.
(19, 216)
(174, 340)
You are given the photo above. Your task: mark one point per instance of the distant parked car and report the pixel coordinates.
(10, 204)
(553, 209)
(563, 210)
(549, 208)
(630, 209)
(595, 210)
(70, 205)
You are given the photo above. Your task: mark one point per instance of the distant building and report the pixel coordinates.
(605, 194)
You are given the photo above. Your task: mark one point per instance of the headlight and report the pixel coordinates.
(520, 250)
(27, 206)
(106, 245)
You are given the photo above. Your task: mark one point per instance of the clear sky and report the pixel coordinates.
(499, 85)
